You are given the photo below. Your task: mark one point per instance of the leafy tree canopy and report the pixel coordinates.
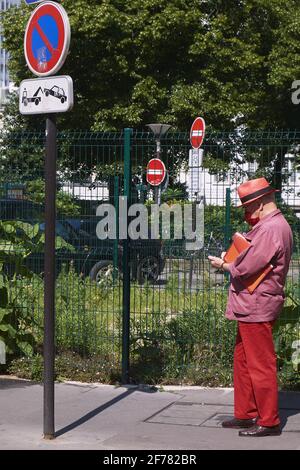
(232, 61)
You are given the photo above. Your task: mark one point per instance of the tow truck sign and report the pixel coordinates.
(46, 95)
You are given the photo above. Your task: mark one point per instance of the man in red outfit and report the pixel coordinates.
(255, 373)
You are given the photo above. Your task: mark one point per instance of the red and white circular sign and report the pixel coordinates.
(156, 172)
(197, 132)
(47, 39)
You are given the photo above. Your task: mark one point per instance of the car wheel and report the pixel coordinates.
(62, 100)
(37, 102)
(148, 270)
(46, 93)
(25, 102)
(103, 273)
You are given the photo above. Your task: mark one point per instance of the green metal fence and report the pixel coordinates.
(166, 295)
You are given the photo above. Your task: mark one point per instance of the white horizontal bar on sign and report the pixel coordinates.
(197, 133)
(155, 172)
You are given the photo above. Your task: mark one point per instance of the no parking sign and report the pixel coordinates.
(30, 2)
(47, 39)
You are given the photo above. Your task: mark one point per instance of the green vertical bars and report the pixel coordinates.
(116, 241)
(94, 325)
(126, 260)
(227, 229)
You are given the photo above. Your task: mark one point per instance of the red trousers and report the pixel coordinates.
(255, 374)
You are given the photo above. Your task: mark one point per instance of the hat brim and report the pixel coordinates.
(258, 197)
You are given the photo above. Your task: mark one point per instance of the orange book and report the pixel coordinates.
(239, 244)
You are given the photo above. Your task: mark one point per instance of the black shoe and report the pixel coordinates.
(261, 431)
(236, 423)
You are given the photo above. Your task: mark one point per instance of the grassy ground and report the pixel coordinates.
(178, 335)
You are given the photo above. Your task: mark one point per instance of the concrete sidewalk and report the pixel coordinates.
(104, 417)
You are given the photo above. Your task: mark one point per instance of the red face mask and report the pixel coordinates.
(251, 221)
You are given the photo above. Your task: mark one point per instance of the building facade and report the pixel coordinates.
(6, 85)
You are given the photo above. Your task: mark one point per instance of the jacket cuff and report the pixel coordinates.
(233, 271)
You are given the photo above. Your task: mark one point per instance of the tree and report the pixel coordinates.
(135, 62)
(232, 61)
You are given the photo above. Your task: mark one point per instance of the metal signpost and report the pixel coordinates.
(159, 130)
(194, 174)
(197, 134)
(46, 45)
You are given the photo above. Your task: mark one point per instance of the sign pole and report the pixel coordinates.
(126, 266)
(157, 190)
(49, 281)
(46, 45)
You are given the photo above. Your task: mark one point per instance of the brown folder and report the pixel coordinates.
(239, 244)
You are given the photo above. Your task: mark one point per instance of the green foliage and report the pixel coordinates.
(84, 311)
(16, 321)
(165, 61)
(286, 332)
(69, 366)
(65, 204)
(215, 222)
(138, 62)
(18, 240)
(176, 337)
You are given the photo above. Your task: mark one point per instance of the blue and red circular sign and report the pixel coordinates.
(47, 39)
(30, 2)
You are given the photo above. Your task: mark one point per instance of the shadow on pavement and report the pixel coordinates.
(8, 382)
(130, 390)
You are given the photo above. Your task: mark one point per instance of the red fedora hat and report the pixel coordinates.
(254, 189)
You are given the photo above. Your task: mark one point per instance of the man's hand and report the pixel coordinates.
(216, 262)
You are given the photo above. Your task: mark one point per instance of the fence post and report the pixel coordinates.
(126, 259)
(227, 232)
(116, 241)
(227, 219)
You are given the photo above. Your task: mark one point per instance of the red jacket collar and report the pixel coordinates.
(262, 221)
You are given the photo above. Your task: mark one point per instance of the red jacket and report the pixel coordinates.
(271, 242)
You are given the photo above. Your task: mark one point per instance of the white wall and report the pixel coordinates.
(214, 188)
(5, 85)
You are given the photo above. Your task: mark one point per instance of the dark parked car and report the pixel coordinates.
(90, 256)
(146, 257)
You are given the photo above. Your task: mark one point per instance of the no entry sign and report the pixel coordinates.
(47, 39)
(197, 132)
(156, 172)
